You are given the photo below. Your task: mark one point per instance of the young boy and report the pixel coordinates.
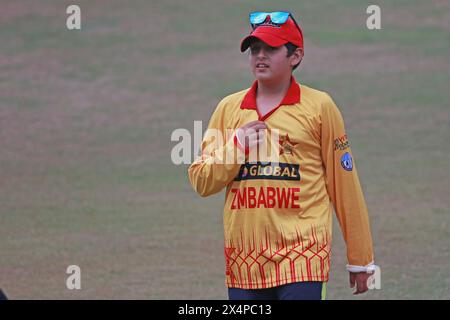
(278, 215)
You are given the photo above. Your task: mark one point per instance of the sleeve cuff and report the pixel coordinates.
(370, 268)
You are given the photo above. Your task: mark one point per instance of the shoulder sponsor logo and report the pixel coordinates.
(341, 143)
(270, 171)
(347, 161)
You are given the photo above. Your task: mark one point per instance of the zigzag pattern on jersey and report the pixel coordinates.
(309, 260)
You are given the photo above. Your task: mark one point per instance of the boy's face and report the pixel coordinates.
(271, 63)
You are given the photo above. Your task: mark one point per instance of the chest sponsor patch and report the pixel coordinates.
(270, 171)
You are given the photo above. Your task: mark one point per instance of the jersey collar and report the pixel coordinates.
(292, 96)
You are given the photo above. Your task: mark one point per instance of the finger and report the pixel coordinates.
(257, 127)
(253, 143)
(253, 135)
(257, 121)
(361, 285)
(261, 139)
(254, 123)
(352, 278)
(251, 131)
(364, 287)
(260, 136)
(252, 139)
(257, 137)
(257, 124)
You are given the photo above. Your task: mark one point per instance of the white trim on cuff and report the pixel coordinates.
(370, 268)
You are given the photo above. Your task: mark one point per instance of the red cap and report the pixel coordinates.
(276, 36)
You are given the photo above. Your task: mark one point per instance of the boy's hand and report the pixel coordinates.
(252, 133)
(360, 279)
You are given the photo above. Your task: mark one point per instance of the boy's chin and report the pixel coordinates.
(266, 76)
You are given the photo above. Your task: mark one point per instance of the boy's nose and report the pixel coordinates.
(262, 52)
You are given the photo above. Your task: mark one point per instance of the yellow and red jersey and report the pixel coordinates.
(278, 216)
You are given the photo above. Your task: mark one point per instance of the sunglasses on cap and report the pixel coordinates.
(276, 18)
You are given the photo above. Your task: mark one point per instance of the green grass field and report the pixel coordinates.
(86, 117)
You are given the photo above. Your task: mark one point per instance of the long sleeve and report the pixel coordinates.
(220, 161)
(343, 186)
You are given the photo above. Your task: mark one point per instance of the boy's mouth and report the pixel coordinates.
(261, 66)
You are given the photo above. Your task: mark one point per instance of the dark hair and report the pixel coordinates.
(291, 49)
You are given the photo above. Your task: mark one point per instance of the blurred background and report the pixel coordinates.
(86, 118)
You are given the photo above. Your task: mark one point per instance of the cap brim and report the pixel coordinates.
(264, 37)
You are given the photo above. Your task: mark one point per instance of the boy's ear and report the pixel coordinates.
(297, 56)
(299, 51)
